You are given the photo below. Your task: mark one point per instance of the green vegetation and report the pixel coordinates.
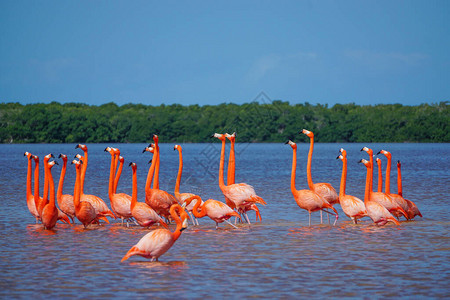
(253, 122)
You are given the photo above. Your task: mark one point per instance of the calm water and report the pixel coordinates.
(282, 257)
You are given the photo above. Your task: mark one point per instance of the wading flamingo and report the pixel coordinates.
(307, 199)
(84, 211)
(30, 197)
(387, 189)
(352, 206)
(241, 194)
(159, 200)
(323, 189)
(181, 197)
(144, 215)
(382, 198)
(217, 211)
(412, 210)
(49, 213)
(231, 171)
(157, 242)
(98, 204)
(120, 202)
(377, 212)
(65, 201)
(380, 176)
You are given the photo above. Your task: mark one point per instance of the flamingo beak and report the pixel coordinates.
(185, 224)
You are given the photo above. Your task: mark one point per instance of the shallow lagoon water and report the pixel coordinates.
(281, 257)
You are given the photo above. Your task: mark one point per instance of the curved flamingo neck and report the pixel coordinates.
(180, 172)
(387, 188)
(77, 188)
(134, 192)
(111, 178)
(343, 177)
(36, 184)
(29, 178)
(380, 176)
(151, 170)
(173, 212)
(61, 180)
(156, 180)
(231, 165)
(51, 188)
(83, 171)
(222, 162)
(308, 166)
(294, 167)
(117, 177)
(399, 180)
(195, 210)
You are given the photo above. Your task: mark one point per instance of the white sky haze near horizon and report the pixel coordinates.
(211, 52)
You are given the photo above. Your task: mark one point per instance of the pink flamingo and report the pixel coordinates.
(377, 212)
(241, 194)
(382, 198)
(30, 197)
(159, 200)
(65, 201)
(98, 203)
(387, 190)
(352, 206)
(307, 199)
(144, 215)
(231, 171)
(120, 202)
(49, 213)
(412, 210)
(157, 242)
(217, 211)
(181, 197)
(323, 189)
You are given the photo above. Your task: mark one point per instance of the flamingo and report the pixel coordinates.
(387, 190)
(231, 171)
(181, 197)
(49, 214)
(217, 211)
(323, 189)
(307, 199)
(84, 211)
(99, 205)
(382, 198)
(380, 176)
(412, 210)
(159, 200)
(144, 215)
(157, 242)
(40, 202)
(30, 197)
(352, 206)
(65, 202)
(120, 202)
(241, 194)
(377, 212)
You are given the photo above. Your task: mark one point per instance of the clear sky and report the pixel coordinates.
(211, 52)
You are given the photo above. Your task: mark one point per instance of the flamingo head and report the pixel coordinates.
(368, 150)
(308, 133)
(81, 146)
(50, 164)
(365, 162)
(116, 151)
(63, 157)
(133, 165)
(341, 157)
(343, 152)
(80, 157)
(399, 164)
(48, 156)
(385, 153)
(28, 155)
(149, 149)
(35, 158)
(155, 138)
(177, 147)
(292, 144)
(219, 136)
(121, 159)
(231, 137)
(110, 150)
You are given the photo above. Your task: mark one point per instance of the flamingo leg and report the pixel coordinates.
(337, 216)
(230, 224)
(246, 217)
(310, 217)
(320, 218)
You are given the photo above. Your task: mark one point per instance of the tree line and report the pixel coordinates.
(253, 122)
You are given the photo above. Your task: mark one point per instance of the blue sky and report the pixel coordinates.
(211, 52)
